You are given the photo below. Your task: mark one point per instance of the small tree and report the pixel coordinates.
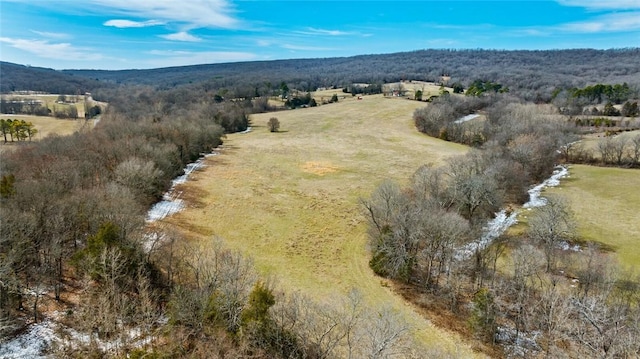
(273, 124)
(334, 98)
(610, 110)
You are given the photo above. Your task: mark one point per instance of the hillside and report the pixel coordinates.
(531, 74)
(14, 77)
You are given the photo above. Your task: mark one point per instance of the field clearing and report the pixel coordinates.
(606, 204)
(50, 101)
(290, 200)
(428, 88)
(590, 141)
(45, 126)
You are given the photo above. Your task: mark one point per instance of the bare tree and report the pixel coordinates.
(273, 124)
(527, 263)
(553, 311)
(385, 335)
(635, 150)
(550, 225)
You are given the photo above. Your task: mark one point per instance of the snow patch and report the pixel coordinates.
(535, 198)
(518, 344)
(466, 118)
(503, 220)
(31, 344)
(171, 202)
(39, 338)
(491, 231)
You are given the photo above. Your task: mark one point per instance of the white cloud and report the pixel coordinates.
(193, 13)
(181, 36)
(602, 4)
(184, 58)
(324, 32)
(128, 23)
(328, 32)
(52, 35)
(305, 48)
(57, 51)
(618, 22)
(442, 42)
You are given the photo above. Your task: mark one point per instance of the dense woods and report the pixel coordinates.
(73, 211)
(533, 75)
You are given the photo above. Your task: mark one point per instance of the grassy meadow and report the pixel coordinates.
(45, 126)
(290, 200)
(606, 204)
(590, 141)
(51, 101)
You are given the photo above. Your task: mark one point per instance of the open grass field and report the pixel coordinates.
(51, 101)
(590, 141)
(290, 200)
(428, 88)
(45, 126)
(606, 204)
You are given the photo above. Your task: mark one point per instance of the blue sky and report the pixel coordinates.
(126, 34)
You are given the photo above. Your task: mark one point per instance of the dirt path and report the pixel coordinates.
(290, 200)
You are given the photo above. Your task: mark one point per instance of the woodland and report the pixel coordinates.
(73, 211)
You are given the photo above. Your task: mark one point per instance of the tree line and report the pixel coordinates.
(20, 130)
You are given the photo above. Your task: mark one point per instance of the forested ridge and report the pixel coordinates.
(532, 74)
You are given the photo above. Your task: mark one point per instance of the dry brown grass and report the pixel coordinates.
(51, 101)
(45, 125)
(290, 200)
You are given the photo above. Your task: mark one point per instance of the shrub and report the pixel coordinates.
(273, 124)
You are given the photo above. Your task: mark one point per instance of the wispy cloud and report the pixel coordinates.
(314, 31)
(192, 13)
(129, 23)
(442, 42)
(181, 58)
(48, 50)
(618, 22)
(305, 48)
(52, 35)
(181, 36)
(602, 4)
(264, 43)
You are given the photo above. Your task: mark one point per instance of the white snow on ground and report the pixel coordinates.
(30, 344)
(171, 202)
(503, 221)
(466, 118)
(535, 199)
(247, 130)
(518, 344)
(39, 337)
(491, 231)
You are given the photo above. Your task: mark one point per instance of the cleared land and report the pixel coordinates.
(51, 101)
(606, 203)
(590, 141)
(290, 200)
(45, 126)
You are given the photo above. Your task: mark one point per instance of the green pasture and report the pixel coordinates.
(606, 204)
(291, 200)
